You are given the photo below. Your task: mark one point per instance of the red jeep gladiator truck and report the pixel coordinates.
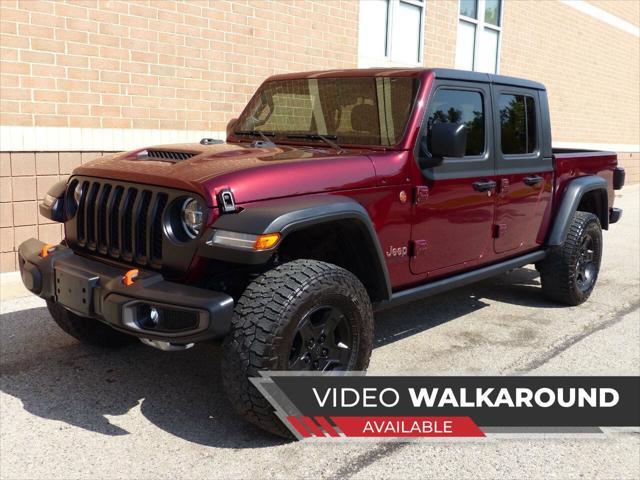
(336, 194)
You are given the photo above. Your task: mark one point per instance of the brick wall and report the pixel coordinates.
(440, 33)
(590, 68)
(24, 179)
(628, 10)
(159, 64)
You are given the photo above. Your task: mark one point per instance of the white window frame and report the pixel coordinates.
(480, 25)
(386, 60)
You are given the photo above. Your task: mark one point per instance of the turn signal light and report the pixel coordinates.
(266, 241)
(130, 277)
(244, 241)
(46, 250)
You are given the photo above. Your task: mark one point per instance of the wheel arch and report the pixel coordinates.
(345, 241)
(588, 194)
(595, 201)
(309, 221)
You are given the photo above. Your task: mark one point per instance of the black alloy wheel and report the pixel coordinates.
(323, 341)
(586, 268)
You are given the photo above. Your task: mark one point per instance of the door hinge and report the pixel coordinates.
(499, 229)
(418, 247)
(421, 194)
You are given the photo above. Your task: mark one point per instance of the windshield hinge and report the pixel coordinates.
(422, 194)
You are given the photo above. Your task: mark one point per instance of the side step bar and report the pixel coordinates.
(449, 283)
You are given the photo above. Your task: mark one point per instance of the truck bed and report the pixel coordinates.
(572, 163)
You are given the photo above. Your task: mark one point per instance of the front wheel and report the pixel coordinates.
(302, 315)
(570, 271)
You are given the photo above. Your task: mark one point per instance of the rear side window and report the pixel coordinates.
(517, 124)
(462, 107)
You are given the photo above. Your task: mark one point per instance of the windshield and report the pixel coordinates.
(360, 111)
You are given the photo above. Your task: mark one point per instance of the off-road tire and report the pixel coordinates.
(87, 330)
(560, 270)
(265, 321)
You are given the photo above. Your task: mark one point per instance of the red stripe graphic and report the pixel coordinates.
(313, 427)
(327, 426)
(298, 426)
(408, 426)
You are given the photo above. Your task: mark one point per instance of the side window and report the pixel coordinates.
(517, 124)
(462, 107)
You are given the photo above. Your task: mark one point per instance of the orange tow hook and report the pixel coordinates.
(130, 277)
(46, 249)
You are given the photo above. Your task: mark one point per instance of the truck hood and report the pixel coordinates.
(252, 173)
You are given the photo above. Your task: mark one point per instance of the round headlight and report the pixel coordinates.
(192, 217)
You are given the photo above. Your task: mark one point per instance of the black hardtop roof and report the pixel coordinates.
(443, 73)
(465, 75)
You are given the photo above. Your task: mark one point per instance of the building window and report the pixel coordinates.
(478, 43)
(391, 32)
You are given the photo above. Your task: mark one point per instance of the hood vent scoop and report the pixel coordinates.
(165, 155)
(262, 144)
(211, 141)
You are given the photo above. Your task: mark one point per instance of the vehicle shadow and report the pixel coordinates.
(59, 379)
(518, 287)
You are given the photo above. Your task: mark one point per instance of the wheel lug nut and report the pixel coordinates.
(322, 338)
(325, 352)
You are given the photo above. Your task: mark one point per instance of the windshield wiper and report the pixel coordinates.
(257, 133)
(328, 139)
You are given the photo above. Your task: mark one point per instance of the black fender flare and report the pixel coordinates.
(573, 193)
(289, 215)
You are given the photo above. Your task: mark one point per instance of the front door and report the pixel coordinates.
(525, 174)
(454, 206)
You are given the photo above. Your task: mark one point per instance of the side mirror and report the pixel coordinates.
(447, 140)
(231, 126)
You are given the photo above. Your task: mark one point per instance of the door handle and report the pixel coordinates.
(484, 185)
(533, 180)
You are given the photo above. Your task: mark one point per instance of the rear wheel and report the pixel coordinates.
(303, 315)
(570, 271)
(87, 330)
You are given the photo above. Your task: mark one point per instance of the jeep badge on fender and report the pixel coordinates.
(396, 252)
(273, 239)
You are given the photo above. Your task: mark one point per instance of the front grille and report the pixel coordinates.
(167, 155)
(123, 222)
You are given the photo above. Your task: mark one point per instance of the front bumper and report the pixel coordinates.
(93, 289)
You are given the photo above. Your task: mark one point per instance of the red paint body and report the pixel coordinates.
(456, 222)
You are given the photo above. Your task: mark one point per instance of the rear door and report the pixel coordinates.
(524, 174)
(454, 205)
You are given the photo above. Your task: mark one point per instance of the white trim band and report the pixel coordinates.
(603, 16)
(63, 139)
(609, 147)
(66, 139)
